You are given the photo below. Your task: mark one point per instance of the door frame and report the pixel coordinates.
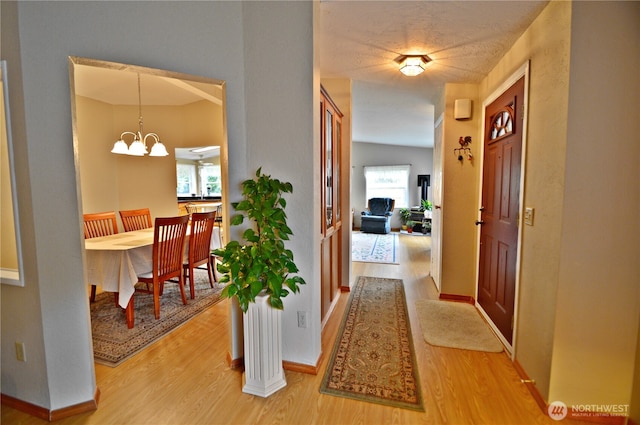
(523, 71)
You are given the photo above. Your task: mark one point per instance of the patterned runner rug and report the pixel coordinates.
(114, 343)
(373, 358)
(374, 248)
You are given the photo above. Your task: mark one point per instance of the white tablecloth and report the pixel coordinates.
(114, 262)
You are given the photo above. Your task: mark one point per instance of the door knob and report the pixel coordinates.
(437, 207)
(479, 222)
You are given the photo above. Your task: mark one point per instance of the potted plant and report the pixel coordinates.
(426, 206)
(405, 215)
(410, 224)
(426, 226)
(259, 273)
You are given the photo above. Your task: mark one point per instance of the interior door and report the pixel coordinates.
(436, 217)
(500, 207)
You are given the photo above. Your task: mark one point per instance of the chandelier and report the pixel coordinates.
(138, 146)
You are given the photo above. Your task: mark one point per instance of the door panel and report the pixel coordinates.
(500, 206)
(436, 214)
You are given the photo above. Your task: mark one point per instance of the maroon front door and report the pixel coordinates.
(500, 207)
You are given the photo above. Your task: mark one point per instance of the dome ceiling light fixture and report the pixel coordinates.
(412, 65)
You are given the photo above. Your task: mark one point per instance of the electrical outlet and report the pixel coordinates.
(528, 216)
(21, 355)
(302, 319)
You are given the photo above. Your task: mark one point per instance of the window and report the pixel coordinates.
(388, 181)
(210, 180)
(186, 176)
(198, 180)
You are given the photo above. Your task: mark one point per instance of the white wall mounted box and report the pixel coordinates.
(462, 109)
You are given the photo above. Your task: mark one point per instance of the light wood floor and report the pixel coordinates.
(184, 377)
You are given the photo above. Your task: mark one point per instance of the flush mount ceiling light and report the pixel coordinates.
(139, 145)
(205, 149)
(412, 65)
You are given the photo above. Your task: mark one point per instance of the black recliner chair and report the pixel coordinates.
(378, 217)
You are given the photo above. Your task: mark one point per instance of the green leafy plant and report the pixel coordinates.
(405, 215)
(425, 205)
(263, 262)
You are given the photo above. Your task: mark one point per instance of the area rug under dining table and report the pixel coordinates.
(373, 358)
(114, 343)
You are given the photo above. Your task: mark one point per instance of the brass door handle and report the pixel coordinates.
(437, 207)
(479, 222)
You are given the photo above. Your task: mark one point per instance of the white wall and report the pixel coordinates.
(230, 41)
(363, 154)
(281, 105)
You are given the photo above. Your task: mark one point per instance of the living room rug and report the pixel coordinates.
(373, 359)
(456, 325)
(114, 343)
(374, 248)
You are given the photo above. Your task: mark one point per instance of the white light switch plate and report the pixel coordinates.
(528, 216)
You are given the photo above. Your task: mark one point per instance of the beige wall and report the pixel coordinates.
(578, 305)
(112, 182)
(460, 194)
(546, 44)
(202, 124)
(97, 166)
(598, 294)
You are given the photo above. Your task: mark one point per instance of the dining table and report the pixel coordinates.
(114, 262)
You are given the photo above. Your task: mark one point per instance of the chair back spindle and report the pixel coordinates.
(200, 247)
(136, 219)
(100, 224)
(168, 251)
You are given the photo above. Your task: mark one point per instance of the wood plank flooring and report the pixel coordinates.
(184, 377)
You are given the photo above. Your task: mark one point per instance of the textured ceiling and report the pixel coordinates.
(360, 40)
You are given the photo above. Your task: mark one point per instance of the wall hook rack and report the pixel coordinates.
(464, 149)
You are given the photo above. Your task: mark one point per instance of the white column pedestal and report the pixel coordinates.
(263, 373)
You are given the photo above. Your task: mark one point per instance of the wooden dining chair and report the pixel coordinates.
(96, 225)
(191, 208)
(136, 219)
(169, 234)
(100, 224)
(199, 247)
